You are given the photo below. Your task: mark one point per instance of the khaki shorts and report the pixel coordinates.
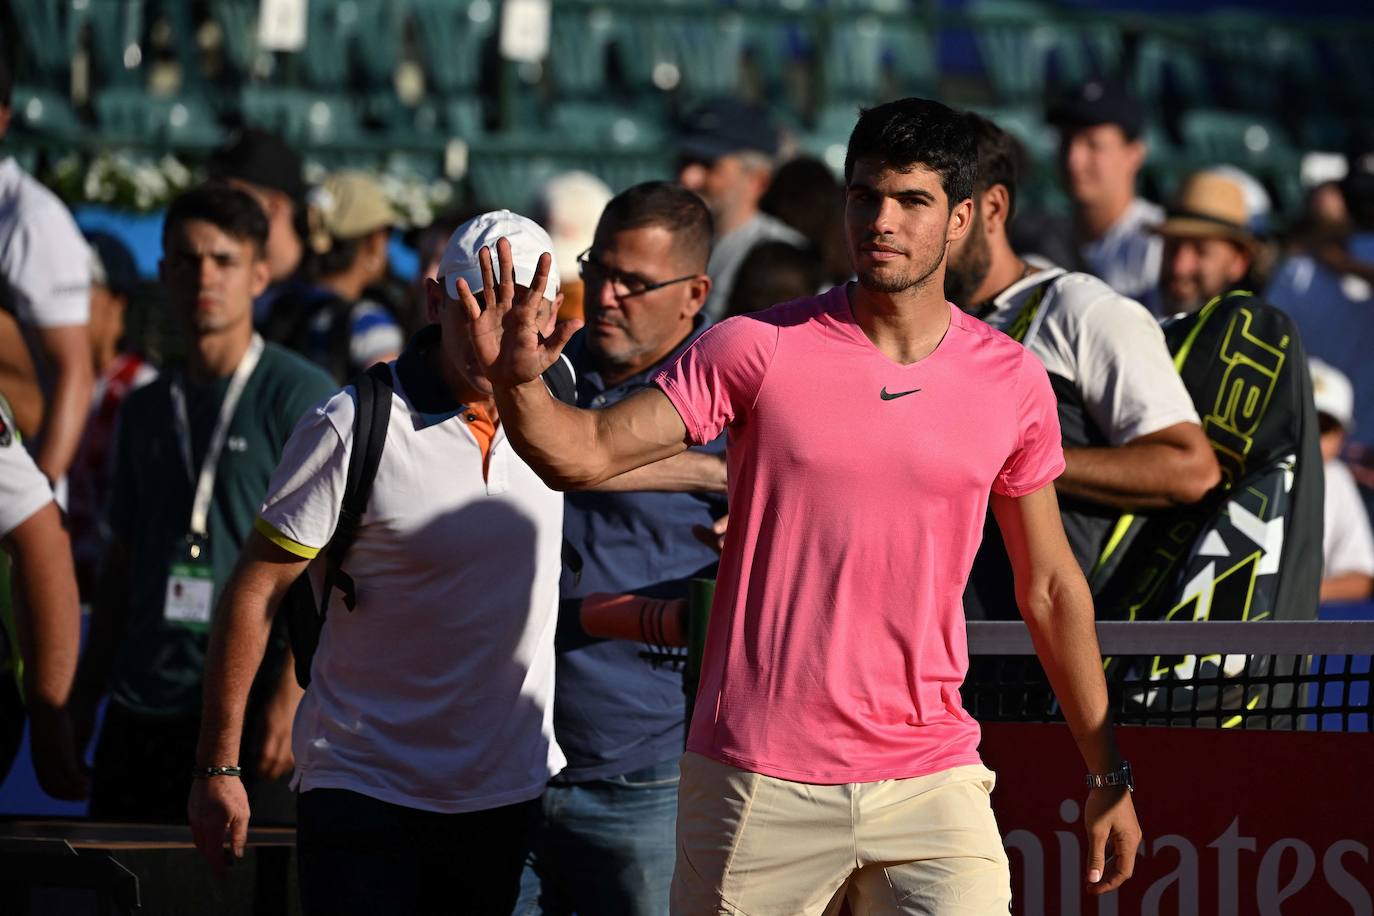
(752, 845)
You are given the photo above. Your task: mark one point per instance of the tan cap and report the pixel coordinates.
(348, 205)
(1209, 205)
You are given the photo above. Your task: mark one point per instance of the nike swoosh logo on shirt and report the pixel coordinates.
(896, 394)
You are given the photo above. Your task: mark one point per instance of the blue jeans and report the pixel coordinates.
(605, 847)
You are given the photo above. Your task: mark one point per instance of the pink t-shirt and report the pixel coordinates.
(858, 489)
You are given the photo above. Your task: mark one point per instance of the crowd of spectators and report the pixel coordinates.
(212, 482)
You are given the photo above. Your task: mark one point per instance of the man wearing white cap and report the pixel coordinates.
(1347, 544)
(426, 735)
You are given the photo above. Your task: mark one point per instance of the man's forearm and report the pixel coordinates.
(574, 449)
(689, 472)
(66, 417)
(238, 640)
(1059, 615)
(48, 613)
(1352, 586)
(1135, 476)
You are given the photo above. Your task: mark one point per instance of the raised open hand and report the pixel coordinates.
(506, 325)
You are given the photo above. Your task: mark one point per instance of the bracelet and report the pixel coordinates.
(207, 772)
(1121, 776)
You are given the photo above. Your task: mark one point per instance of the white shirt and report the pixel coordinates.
(1129, 255)
(23, 488)
(1107, 346)
(43, 258)
(1347, 544)
(436, 691)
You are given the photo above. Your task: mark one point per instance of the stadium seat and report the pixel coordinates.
(1028, 47)
(353, 43)
(613, 125)
(1227, 136)
(869, 58)
(1014, 40)
(1263, 64)
(464, 117)
(452, 35)
(579, 43)
(700, 56)
(238, 22)
(129, 114)
(303, 118)
(1168, 72)
(116, 31)
(777, 50)
(45, 113)
(46, 42)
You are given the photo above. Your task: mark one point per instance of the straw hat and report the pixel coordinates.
(1209, 205)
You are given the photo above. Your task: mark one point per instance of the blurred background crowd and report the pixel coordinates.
(368, 130)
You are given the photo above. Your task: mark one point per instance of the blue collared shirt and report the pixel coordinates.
(613, 711)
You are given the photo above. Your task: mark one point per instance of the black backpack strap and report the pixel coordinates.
(561, 380)
(369, 439)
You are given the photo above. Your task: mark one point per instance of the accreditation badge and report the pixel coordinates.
(191, 589)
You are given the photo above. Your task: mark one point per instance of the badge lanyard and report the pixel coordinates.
(205, 480)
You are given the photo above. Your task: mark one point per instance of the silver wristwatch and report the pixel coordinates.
(1121, 776)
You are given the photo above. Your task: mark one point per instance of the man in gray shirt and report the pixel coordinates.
(726, 154)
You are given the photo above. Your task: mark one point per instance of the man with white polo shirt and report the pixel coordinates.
(426, 735)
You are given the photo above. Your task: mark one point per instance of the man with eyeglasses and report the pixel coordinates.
(606, 841)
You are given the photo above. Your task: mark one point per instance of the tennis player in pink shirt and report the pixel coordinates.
(869, 430)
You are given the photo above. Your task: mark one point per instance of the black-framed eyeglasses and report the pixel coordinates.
(626, 286)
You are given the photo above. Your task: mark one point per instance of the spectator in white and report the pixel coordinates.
(1347, 544)
(331, 319)
(48, 618)
(114, 276)
(569, 206)
(726, 154)
(45, 286)
(1100, 153)
(1132, 438)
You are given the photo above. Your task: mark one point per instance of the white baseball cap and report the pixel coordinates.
(527, 242)
(1332, 392)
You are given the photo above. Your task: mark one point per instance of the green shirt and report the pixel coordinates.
(160, 663)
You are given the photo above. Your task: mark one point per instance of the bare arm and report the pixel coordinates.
(578, 449)
(1174, 466)
(1352, 586)
(218, 806)
(1057, 607)
(48, 619)
(68, 349)
(687, 472)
